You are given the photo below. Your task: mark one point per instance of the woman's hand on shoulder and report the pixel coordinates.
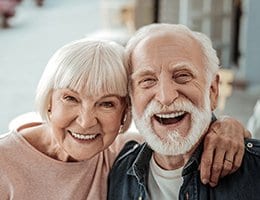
(223, 149)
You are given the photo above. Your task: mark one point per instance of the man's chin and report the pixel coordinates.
(174, 143)
(168, 141)
(172, 146)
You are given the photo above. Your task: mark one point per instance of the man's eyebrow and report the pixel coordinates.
(185, 66)
(142, 72)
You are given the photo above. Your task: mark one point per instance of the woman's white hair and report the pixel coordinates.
(98, 65)
(211, 60)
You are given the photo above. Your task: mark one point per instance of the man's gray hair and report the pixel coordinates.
(211, 60)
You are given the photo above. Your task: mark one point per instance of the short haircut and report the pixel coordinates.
(98, 65)
(211, 60)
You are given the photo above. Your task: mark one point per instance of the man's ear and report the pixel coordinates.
(214, 92)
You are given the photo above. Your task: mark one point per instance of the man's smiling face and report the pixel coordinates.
(170, 89)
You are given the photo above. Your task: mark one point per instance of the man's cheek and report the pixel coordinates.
(140, 104)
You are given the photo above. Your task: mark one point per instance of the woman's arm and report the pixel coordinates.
(223, 149)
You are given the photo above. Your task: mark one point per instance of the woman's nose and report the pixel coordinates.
(87, 118)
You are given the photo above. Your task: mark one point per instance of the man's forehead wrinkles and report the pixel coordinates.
(142, 71)
(173, 43)
(184, 65)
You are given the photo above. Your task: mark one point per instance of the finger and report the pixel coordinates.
(217, 166)
(228, 164)
(212, 184)
(206, 161)
(206, 165)
(238, 159)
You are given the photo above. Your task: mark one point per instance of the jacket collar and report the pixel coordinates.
(140, 166)
(194, 161)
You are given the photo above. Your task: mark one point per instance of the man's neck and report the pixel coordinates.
(172, 162)
(169, 162)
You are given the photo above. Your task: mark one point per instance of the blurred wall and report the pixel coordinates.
(250, 42)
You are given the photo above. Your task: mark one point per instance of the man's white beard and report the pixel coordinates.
(173, 143)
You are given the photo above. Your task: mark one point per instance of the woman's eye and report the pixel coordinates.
(107, 104)
(182, 78)
(70, 99)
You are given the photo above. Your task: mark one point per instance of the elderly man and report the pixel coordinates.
(174, 89)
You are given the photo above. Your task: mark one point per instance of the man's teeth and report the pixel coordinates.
(170, 115)
(83, 137)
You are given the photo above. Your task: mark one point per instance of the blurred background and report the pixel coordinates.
(32, 30)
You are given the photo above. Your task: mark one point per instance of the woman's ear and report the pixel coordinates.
(127, 116)
(124, 117)
(123, 121)
(50, 108)
(214, 92)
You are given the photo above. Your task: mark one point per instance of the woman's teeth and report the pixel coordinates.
(83, 137)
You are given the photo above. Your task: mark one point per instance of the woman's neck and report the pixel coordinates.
(41, 137)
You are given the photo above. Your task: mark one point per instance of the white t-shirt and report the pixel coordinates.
(163, 184)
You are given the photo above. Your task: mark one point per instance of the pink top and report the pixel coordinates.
(26, 173)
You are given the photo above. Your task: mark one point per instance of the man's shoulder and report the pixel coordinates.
(122, 180)
(252, 147)
(129, 151)
(243, 183)
(251, 161)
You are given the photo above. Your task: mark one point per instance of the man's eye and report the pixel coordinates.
(182, 78)
(147, 82)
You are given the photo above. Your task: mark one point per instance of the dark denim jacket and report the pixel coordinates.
(128, 177)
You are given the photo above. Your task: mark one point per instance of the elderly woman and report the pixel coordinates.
(82, 99)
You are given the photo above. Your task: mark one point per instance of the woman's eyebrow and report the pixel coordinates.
(111, 95)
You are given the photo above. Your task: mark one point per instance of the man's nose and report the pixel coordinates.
(167, 92)
(87, 118)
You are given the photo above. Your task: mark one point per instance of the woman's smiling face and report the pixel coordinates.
(84, 125)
